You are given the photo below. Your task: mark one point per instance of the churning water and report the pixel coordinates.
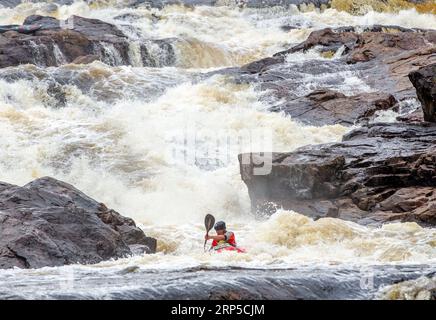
(115, 139)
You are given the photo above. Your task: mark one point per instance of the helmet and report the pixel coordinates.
(220, 225)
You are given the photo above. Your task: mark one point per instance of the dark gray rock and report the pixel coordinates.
(381, 56)
(60, 42)
(50, 223)
(384, 55)
(424, 81)
(322, 107)
(378, 173)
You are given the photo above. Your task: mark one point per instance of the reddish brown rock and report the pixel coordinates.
(393, 51)
(380, 56)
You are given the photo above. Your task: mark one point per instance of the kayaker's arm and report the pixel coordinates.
(217, 238)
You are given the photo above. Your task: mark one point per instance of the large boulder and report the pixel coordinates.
(424, 81)
(76, 40)
(378, 173)
(50, 223)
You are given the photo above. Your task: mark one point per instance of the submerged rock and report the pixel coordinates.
(322, 107)
(50, 223)
(378, 173)
(424, 80)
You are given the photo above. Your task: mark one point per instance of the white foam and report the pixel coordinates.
(117, 152)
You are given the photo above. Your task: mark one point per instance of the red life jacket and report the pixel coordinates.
(229, 240)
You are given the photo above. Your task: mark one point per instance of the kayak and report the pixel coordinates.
(238, 250)
(230, 248)
(21, 29)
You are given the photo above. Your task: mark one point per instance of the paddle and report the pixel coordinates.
(209, 221)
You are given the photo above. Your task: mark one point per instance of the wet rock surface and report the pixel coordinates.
(424, 80)
(385, 55)
(50, 223)
(378, 173)
(322, 107)
(381, 56)
(77, 40)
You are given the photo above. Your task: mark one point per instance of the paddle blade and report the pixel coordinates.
(209, 221)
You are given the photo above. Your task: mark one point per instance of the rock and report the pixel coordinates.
(379, 56)
(393, 52)
(60, 42)
(416, 116)
(50, 223)
(325, 106)
(327, 39)
(424, 81)
(374, 43)
(92, 28)
(378, 173)
(261, 65)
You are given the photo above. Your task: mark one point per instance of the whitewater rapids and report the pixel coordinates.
(115, 142)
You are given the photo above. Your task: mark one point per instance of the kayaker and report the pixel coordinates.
(223, 238)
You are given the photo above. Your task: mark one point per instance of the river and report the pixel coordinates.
(117, 142)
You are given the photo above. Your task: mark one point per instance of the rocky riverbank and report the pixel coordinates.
(383, 56)
(50, 223)
(380, 172)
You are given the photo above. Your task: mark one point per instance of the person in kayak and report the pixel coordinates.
(223, 238)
